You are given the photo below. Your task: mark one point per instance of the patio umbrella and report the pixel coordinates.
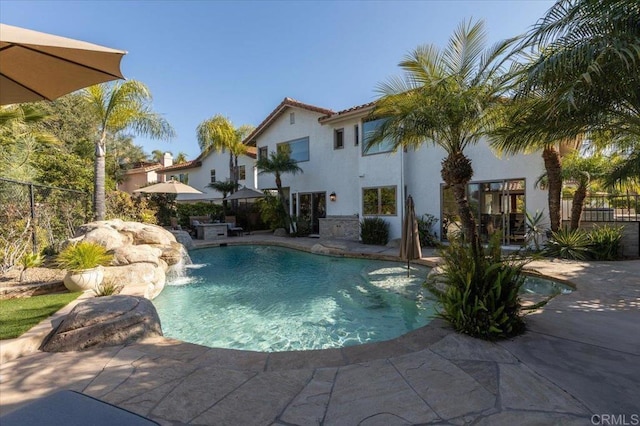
(410, 243)
(36, 66)
(169, 187)
(245, 193)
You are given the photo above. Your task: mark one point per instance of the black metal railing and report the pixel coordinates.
(606, 208)
(37, 218)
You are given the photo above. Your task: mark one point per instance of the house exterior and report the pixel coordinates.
(342, 181)
(144, 173)
(210, 167)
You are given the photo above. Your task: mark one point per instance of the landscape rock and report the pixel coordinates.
(142, 254)
(104, 321)
(280, 232)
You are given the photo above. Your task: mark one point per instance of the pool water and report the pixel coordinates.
(271, 299)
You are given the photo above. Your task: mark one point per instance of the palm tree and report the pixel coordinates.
(224, 187)
(218, 133)
(157, 156)
(279, 163)
(181, 158)
(447, 98)
(20, 138)
(119, 107)
(566, 90)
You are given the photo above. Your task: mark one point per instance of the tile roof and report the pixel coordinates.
(188, 165)
(286, 103)
(346, 112)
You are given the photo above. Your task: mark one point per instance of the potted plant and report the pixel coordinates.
(84, 264)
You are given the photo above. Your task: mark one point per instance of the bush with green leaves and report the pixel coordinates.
(83, 255)
(29, 260)
(605, 242)
(478, 290)
(121, 205)
(426, 224)
(185, 210)
(271, 212)
(374, 230)
(568, 244)
(107, 288)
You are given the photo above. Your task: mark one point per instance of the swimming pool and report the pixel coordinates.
(271, 299)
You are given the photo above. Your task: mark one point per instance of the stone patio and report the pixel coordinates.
(580, 357)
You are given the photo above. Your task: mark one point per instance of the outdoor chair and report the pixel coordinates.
(232, 227)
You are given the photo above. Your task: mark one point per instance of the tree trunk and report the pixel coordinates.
(553, 167)
(457, 172)
(283, 202)
(578, 203)
(99, 204)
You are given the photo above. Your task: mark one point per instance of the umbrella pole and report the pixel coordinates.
(408, 267)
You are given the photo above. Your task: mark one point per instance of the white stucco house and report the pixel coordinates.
(210, 167)
(343, 182)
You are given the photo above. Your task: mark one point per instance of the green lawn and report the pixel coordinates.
(19, 315)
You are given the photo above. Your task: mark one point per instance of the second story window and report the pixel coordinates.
(213, 175)
(262, 152)
(356, 135)
(292, 118)
(297, 149)
(242, 173)
(338, 139)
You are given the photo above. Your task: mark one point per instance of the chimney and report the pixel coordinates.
(167, 160)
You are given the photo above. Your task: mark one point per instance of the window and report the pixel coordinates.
(292, 118)
(368, 128)
(356, 135)
(379, 201)
(213, 175)
(338, 139)
(242, 173)
(298, 149)
(262, 152)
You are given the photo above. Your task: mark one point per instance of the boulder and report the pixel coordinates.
(280, 232)
(125, 255)
(104, 321)
(142, 254)
(183, 238)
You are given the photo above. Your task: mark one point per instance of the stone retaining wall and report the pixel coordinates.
(341, 227)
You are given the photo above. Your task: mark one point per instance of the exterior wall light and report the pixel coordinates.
(332, 196)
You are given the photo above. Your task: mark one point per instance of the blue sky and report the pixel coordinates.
(240, 59)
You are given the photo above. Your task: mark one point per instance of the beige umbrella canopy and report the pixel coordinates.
(169, 187)
(36, 66)
(245, 193)
(410, 243)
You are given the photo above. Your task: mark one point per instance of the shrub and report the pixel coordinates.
(480, 296)
(185, 210)
(107, 288)
(29, 260)
(123, 206)
(374, 230)
(568, 244)
(428, 237)
(271, 212)
(302, 226)
(605, 242)
(83, 255)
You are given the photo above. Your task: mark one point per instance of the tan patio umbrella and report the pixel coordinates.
(169, 187)
(245, 193)
(410, 243)
(36, 66)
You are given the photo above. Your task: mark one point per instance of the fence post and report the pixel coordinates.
(34, 238)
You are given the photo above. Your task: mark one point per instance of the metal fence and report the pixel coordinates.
(606, 208)
(37, 217)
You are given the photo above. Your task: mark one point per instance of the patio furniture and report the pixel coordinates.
(71, 408)
(232, 227)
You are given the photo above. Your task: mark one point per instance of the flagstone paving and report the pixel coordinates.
(579, 358)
